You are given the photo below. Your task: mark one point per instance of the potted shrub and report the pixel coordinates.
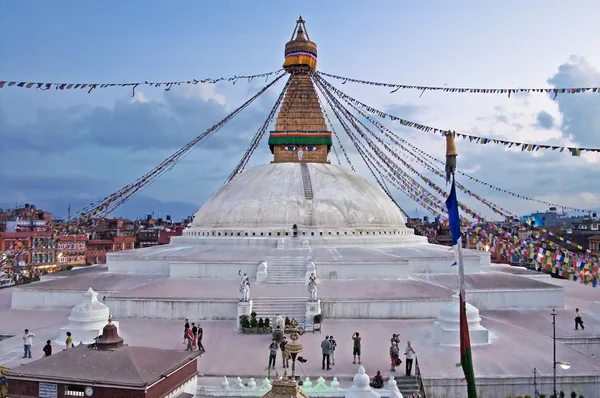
(267, 325)
(253, 325)
(261, 326)
(244, 323)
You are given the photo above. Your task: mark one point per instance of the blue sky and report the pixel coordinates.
(60, 147)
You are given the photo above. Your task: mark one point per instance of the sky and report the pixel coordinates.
(61, 148)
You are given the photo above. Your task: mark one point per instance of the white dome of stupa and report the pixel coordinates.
(86, 321)
(321, 199)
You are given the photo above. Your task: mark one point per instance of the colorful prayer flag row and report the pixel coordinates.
(509, 91)
(574, 151)
(91, 86)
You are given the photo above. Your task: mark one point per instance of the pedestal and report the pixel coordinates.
(244, 308)
(447, 328)
(312, 308)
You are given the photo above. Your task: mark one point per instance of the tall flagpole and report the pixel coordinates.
(466, 359)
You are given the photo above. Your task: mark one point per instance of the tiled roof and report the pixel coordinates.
(126, 366)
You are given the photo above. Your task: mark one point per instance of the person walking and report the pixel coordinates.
(47, 349)
(189, 338)
(273, 353)
(410, 354)
(186, 326)
(284, 358)
(578, 320)
(27, 343)
(333, 344)
(195, 333)
(356, 347)
(200, 335)
(326, 350)
(394, 356)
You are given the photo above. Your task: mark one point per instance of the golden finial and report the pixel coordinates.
(109, 319)
(451, 155)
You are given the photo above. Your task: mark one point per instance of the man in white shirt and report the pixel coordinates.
(27, 342)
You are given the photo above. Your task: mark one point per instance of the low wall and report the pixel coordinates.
(441, 265)
(526, 298)
(28, 299)
(220, 270)
(362, 271)
(588, 345)
(388, 309)
(141, 266)
(500, 387)
(172, 309)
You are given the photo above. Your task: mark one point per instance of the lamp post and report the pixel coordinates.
(564, 365)
(536, 394)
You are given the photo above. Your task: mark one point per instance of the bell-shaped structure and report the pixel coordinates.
(447, 328)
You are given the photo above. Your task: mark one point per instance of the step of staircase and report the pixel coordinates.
(406, 384)
(286, 270)
(292, 307)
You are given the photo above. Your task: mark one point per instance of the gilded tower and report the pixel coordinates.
(300, 133)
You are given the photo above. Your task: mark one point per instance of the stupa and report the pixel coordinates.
(87, 320)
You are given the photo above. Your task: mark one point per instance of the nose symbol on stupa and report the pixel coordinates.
(300, 152)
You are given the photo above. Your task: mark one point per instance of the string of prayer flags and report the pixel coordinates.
(44, 86)
(529, 147)
(469, 90)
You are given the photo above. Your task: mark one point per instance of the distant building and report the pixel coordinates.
(107, 369)
(34, 248)
(72, 250)
(97, 249)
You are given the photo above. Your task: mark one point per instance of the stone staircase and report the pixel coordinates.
(290, 271)
(292, 307)
(406, 384)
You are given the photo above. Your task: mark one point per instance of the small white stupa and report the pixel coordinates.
(86, 321)
(447, 328)
(360, 386)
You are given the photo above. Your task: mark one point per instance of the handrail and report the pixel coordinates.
(422, 393)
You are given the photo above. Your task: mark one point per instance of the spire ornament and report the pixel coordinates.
(451, 155)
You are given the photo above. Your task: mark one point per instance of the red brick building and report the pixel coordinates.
(35, 248)
(97, 249)
(107, 369)
(72, 250)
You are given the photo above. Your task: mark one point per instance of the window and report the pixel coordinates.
(63, 259)
(75, 391)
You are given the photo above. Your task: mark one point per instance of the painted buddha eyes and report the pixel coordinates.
(292, 148)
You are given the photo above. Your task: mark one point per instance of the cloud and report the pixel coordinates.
(545, 120)
(581, 112)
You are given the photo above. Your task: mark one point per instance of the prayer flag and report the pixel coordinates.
(465, 341)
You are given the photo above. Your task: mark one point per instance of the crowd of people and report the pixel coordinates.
(192, 336)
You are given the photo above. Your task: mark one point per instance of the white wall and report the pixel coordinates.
(500, 387)
(362, 271)
(220, 270)
(534, 298)
(190, 386)
(26, 299)
(392, 309)
(142, 266)
(588, 345)
(173, 309)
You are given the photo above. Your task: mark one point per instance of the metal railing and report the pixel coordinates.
(422, 393)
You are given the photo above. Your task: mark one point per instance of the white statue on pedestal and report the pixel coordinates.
(244, 287)
(312, 287)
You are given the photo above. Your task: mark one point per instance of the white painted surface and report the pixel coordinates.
(384, 309)
(132, 265)
(447, 327)
(526, 298)
(271, 197)
(27, 299)
(173, 309)
(212, 269)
